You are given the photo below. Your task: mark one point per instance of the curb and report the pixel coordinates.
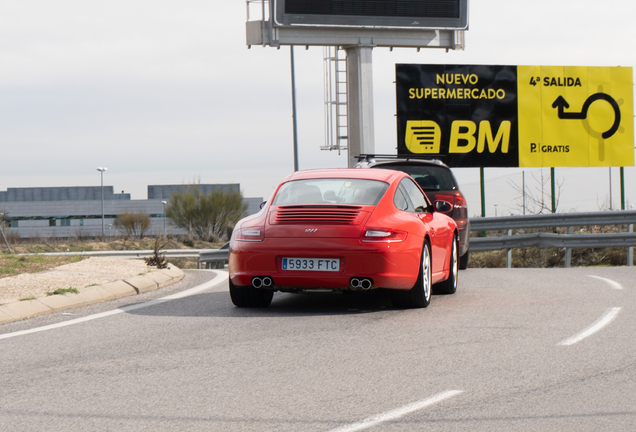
(90, 295)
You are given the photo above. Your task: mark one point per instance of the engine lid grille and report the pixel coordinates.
(327, 214)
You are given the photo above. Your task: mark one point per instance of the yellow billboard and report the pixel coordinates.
(573, 116)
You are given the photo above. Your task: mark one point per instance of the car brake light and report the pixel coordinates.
(250, 234)
(382, 235)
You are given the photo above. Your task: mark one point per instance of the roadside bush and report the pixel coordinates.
(617, 257)
(206, 216)
(12, 236)
(158, 259)
(133, 224)
(81, 235)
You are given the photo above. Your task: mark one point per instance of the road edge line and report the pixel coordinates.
(397, 413)
(220, 278)
(604, 320)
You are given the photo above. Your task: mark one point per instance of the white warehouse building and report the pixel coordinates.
(77, 211)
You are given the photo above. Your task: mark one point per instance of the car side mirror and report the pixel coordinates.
(443, 206)
(262, 204)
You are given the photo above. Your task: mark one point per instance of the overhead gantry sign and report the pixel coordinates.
(358, 26)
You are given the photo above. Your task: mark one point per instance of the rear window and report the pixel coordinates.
(429, 177)
(331, 191)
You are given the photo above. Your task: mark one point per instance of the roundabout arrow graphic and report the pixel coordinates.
(561, 104)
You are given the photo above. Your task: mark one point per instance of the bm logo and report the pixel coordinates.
(425, 137)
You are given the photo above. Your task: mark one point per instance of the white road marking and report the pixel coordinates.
(611, 283)
(607, 318)
(219, 279)
(397, 413)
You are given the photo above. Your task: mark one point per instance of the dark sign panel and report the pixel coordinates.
(400, 13)
(467, 114)
(516, 116)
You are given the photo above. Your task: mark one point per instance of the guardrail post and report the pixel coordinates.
(630, 250)
(568, 251)
(509, 254)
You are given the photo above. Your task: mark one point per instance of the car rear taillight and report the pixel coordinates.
(386, 235)
(250, 234)
(461, 216)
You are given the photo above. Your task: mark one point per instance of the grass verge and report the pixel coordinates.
(13, 265)
(63, 291)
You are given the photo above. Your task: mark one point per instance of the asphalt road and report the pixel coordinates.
(513, 350)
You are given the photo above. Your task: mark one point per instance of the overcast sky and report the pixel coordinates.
(166, 92)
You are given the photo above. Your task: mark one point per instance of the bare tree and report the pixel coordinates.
(537, 199)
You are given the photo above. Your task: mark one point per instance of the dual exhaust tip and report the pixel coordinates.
(262, 282)
(355, 283)
(364, 283)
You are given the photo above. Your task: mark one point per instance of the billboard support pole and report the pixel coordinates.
(295, 123)
(622, 188)
(483, 191)
(482, 187)
(360, 102)
(552, 190)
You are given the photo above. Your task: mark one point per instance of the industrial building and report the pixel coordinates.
(77, 211)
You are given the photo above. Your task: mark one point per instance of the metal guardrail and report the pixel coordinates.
(553, 220)
(169, 253)
(547, 240)
(213, 258)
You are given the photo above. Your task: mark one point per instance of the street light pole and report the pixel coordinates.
(101, 171)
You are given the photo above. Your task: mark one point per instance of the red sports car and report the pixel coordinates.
(345, 230)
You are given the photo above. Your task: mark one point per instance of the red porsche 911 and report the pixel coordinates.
(345, 230)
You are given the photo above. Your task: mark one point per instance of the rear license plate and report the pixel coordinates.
(311, 264)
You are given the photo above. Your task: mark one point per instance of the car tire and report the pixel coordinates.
(449, 286)
(420, 295)
(250, 297)
(463, 260)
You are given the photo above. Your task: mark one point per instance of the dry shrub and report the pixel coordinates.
(205, 216)
(496, 260)
(157, 259)
(81, 235)
(554, 257)
(133, 224)
(12, 236)
(184, 262)
(617, 257)
(490, 259)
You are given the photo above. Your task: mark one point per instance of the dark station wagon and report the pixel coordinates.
(438, 183)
